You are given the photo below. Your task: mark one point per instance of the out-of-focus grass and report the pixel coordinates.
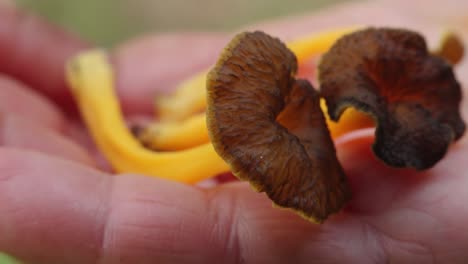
(109, 21)
(4, 259)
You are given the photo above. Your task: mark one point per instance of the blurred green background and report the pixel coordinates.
(107, 22)
(4, 259)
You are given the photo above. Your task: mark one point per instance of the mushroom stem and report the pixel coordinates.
(92, 82)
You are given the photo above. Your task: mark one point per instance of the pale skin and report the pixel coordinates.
(57, 207)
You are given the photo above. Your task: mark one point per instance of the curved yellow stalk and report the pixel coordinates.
(181, 135)
(92, 81)
(188, 99)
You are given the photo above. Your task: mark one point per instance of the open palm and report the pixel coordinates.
(56, 206)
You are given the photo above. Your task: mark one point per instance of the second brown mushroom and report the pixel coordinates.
(412, 94)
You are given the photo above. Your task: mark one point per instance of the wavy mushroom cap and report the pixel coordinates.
(412, 94)
(269, 127)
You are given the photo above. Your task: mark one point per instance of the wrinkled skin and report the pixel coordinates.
(56, 207)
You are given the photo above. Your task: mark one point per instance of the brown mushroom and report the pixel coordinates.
(270, 128)
(412, 94)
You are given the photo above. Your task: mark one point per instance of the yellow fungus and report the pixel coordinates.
(188, 99)
(92, 82)
(173, 135)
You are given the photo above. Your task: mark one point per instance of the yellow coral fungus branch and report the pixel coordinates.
(189, 98)
(92, 81)
(185, 134)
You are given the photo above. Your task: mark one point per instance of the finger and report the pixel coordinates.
(132, 219)
(29, 120)
(19, 132)
(377, 187)
(90, 213)
(154, 65)
(16, 98)
(405, 207)
(34, 52)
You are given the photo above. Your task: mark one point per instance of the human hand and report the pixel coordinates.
(57, 207)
